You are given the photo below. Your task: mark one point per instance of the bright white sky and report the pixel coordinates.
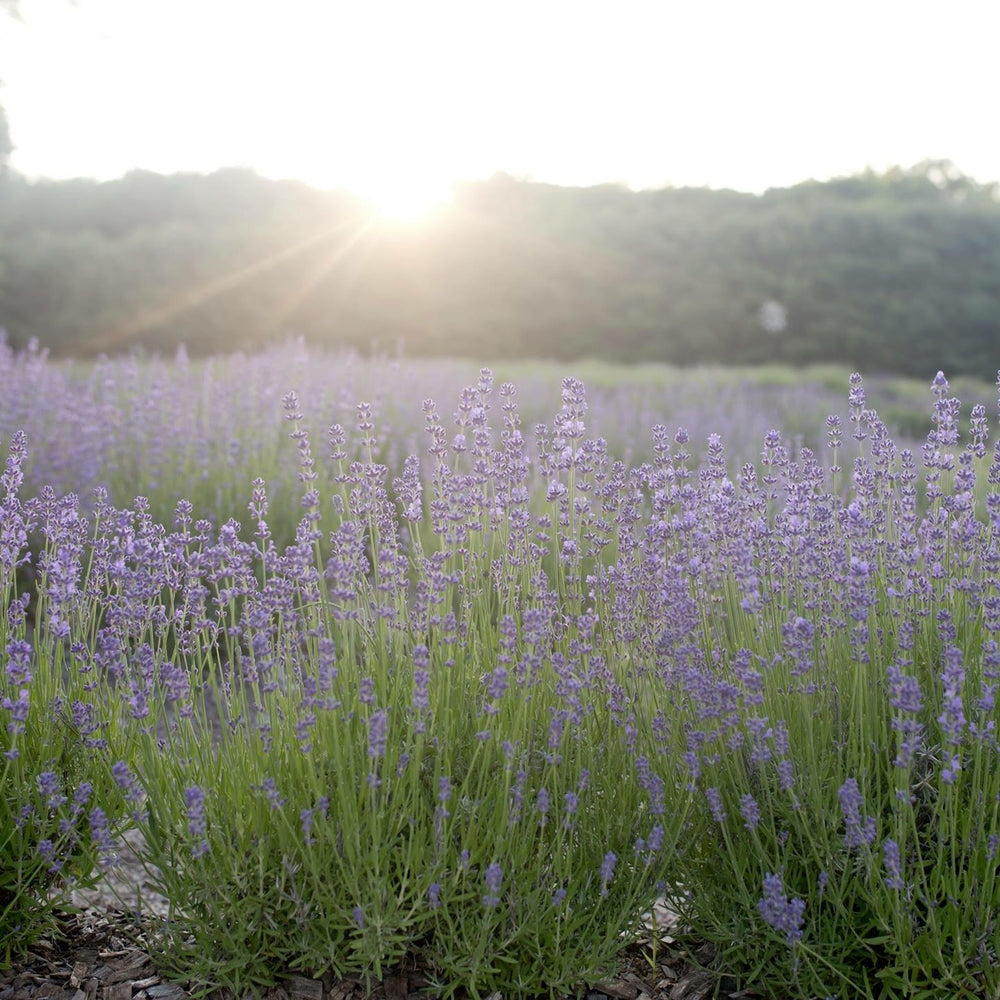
(402, 97)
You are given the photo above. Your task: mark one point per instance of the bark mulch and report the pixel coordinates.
(94, 959)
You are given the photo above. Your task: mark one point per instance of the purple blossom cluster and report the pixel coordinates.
(203, 430)
(785, 915)
(860, 831)
(503, 601)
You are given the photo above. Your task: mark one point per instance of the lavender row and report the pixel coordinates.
(500, 690)
(201, 431)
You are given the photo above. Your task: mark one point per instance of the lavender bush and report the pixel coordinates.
(838, 670)
(202, 430)
(60, 808)
(417, 742)
(485, 705)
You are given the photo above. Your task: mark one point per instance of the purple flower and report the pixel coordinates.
(750, 811)
(542, 803)
(859, 833)
(194, 800)
(421, 683)
(366, 693)
(176, 682)
(572, 801)
(270, 789)
(498, 682)
(905, 694)
(952, 719)
(137, 703)
(129, 785)
(493, 877)
(444, 789)
(18, 710)
(950, 773)
(101, 836)
(890, 856)
(798, 633)
(18, 668)
(377, 734)
(715, 804)
(434, 895)
(47, 851)
(786, 775)
(48, 785)
(778, 911)
(81, 797)
(306, 821)
(607, 871)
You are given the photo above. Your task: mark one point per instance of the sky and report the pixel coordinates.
(397, 99)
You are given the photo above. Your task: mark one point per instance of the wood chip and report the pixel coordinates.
(166, 991)
(128, 971)
(300, 988)
(51, 991)
(78, 975)
(695, 986)
(395, 987)
(622, 991)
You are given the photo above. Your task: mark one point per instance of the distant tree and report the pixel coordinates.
(887, 272)
(11, 9)
(6, 146)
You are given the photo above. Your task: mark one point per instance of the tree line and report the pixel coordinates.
(896, 271)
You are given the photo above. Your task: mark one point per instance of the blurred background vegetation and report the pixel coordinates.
(896, 272)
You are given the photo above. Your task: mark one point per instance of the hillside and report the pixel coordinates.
(895, 272)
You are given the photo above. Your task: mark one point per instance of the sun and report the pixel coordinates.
(406, 199)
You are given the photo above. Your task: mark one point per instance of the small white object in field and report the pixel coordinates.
(773, 316)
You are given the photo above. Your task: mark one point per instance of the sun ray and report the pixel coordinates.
(313, 275)
(148, 318)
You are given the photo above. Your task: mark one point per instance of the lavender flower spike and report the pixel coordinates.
(607, 871)
(780, 912)
(493, 877)
(859, 832)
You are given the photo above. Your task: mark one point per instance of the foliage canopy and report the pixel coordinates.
(897, 271)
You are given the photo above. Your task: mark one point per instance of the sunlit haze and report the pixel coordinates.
(397, 100)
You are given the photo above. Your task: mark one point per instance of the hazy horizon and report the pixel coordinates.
(396, 103)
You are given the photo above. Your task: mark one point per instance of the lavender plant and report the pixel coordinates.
(415, 743)
(481, 707)
(202, 430)
(838, 674)
(60, 808)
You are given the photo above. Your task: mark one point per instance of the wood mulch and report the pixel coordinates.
(94, 959)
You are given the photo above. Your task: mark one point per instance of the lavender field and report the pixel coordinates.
(389, 658)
